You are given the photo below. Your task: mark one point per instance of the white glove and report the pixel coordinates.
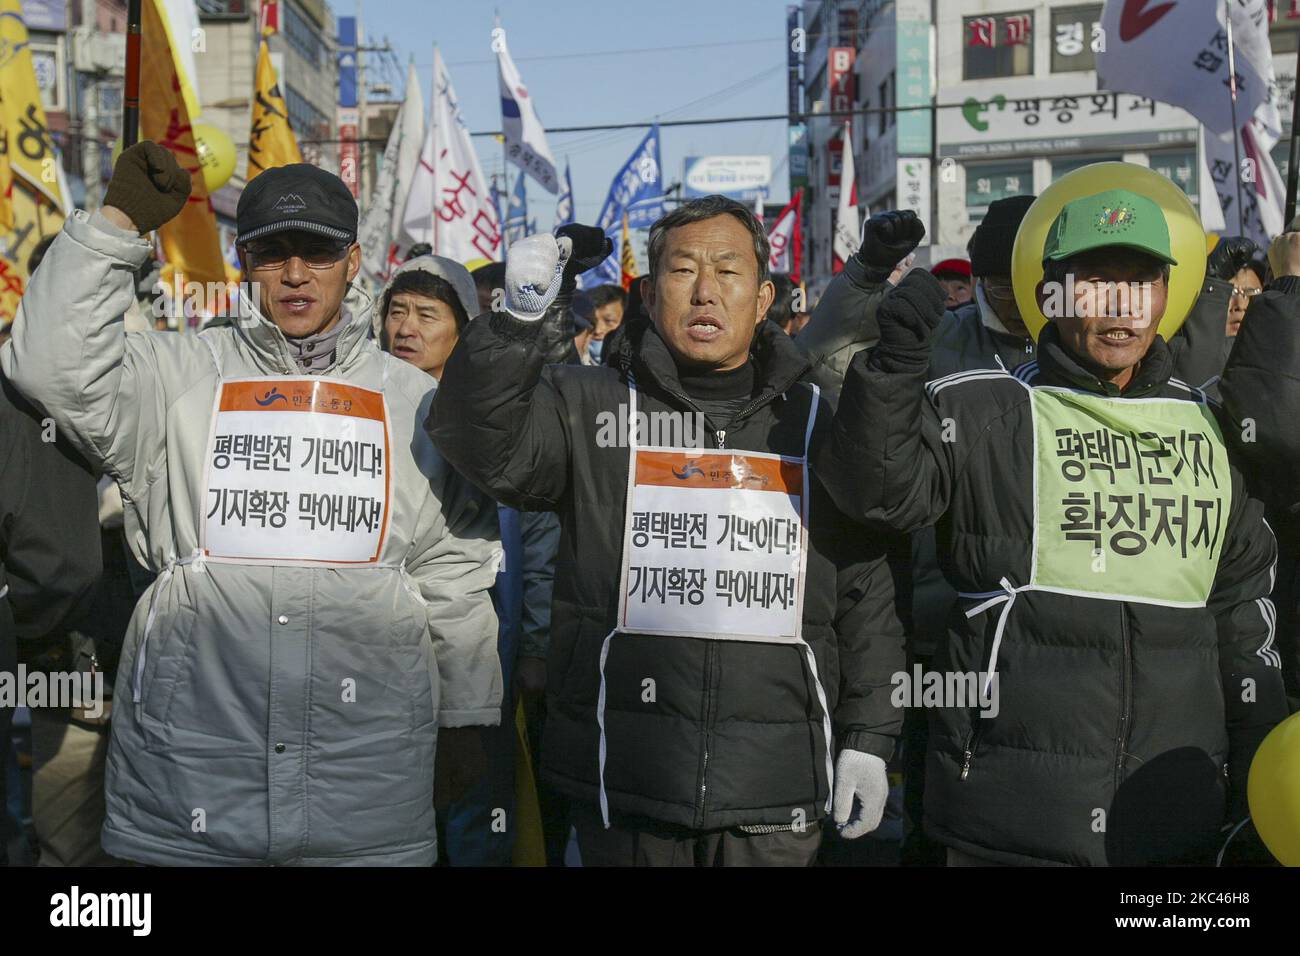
(860, 775)
(534, 271)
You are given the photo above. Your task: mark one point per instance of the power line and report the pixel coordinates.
(758, 118)
(585, 55)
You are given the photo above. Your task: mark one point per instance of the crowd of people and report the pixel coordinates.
(394, 580)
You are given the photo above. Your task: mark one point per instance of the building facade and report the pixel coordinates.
(1012, 103)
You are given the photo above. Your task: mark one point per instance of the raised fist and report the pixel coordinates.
(148, 186)
(887, 238)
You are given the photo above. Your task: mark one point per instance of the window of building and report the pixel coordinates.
(232, 9)
(47, 63)
(1180, 166)
(307, 121)
(302, 35)
(989, 182)
(1001, 45)
(1076, 38)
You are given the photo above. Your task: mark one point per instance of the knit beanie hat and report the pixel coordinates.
(990, 247)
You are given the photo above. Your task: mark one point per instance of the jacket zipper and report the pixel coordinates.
(708, 713)
(968, 752)
(721, 436)
(1126, 692)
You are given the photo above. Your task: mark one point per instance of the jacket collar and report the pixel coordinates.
(778, 362)
(271, 350)
(1058, 366)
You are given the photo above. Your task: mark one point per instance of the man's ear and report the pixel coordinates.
(354, 261)
(766, 294)
(647, 295)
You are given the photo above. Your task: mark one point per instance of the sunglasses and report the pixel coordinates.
(1246, 293)
(273, 254)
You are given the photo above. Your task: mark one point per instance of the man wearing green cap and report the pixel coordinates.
(1113, 572)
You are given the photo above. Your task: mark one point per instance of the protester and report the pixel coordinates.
(584, 326)
(489, 281)
(695, 745)
(783, 312)
(1112, 727)
(955, 277)
(608, 302)
(49, 543)
(70, 744)
(278, 684)
(424, 309)
(1261, 392)
(1238, 264)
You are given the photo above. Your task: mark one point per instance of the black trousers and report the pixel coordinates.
(646, 843)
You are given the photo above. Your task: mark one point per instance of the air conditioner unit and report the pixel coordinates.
(94, 52)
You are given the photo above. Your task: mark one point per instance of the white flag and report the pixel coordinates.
(449, 205)
(525, 138)
(1178, 53)
(846, 218)
(382, 223)
(1263, 193)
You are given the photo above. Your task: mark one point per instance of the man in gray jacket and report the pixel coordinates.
(321, 607)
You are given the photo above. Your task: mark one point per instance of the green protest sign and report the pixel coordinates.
(1132, 497)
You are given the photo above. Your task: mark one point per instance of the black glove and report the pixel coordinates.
(591, 247)
(910, 312)
(887, 240)
(148, 185)
(1230, 256)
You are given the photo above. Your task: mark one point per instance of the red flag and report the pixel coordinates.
(786, 239)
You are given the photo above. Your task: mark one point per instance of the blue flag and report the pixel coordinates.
(564, 205)
(517, 213)
(638, 190)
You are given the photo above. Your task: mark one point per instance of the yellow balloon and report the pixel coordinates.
(1273, 791)
(216, 155)
(1186, 237)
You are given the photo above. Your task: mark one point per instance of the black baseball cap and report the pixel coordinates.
(296, 197)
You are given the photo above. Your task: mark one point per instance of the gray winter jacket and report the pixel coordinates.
(284, 714)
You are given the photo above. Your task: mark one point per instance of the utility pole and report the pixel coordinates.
(363, 149)
(90, 114)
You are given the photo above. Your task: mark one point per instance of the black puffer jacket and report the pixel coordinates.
(734, 735)
(1261, 392)
(1121, 729)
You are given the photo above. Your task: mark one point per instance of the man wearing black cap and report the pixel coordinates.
(321, 614)
(988, 328)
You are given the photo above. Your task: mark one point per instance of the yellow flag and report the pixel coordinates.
(6, 176)
(271, 141)
(190, 241)
(627, 258)
(34, 201)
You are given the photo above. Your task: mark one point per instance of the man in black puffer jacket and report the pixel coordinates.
(1114, 572)
(713, 750)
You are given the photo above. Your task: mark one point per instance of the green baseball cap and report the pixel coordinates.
(1116, 217)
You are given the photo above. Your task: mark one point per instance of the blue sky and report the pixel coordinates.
(614, 62)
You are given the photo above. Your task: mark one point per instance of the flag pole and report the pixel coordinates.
(1293, 159)
(1236, 132)
(131, 91)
